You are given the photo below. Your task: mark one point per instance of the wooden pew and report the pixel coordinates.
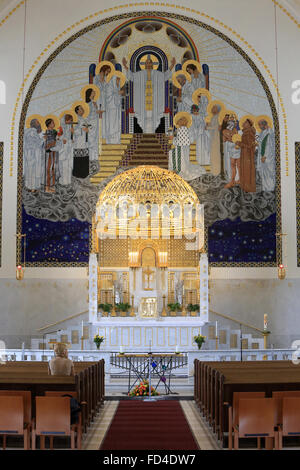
(88, 383)
(217, 381)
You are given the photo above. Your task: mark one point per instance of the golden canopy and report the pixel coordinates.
(147, 184)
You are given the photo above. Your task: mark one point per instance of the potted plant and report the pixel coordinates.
(174, 308)
(107, 308)
(193, 308)
(199, 339)
(123, 307)
(98, 340)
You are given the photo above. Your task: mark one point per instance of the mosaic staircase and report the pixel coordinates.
(135, 150)
(110, 158)
(149, 150)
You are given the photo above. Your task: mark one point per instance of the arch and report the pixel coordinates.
(148, 257)
(2, 92)
(139, 53)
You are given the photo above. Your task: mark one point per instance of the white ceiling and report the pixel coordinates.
(292, 5)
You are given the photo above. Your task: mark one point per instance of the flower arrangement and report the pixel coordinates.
(142, 390)
(98, 340)
(199, 339)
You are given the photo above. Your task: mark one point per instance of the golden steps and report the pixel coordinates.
(114, 146)
(105, 163)
(112, 152)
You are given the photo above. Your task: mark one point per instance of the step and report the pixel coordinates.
(112, 152)
(114, 146)
(104, 163)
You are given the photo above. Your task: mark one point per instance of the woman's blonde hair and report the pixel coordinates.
(60, 350)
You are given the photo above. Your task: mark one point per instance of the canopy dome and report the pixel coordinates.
(148, 184)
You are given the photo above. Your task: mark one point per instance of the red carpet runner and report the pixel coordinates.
(139, 425)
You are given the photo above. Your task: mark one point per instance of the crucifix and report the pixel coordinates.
(147, 278)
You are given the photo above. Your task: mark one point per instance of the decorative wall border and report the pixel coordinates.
(285, 10)
(297, 177)
(9, 14)
(1, 191)
(187, 20)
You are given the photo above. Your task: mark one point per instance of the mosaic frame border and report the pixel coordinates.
(157, 14)
(297, 177)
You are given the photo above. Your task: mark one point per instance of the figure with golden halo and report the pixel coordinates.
(93, 119)
(81, 143)
(266, 155)
(231, 153)
(149, 94)
(247, 145)
(109, 103)
(199, 133)
(66, 153)
(198, 79)
(33, 149)
(179, 156)
(184, 99)
(53, 146)
(214, 128)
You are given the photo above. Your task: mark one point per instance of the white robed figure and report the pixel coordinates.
(213, 128)
(148, 94)
(266, 156)
(91, 96)
(200, 133)
(66, 152)
(111, 101)
(229, 149)
(179, 156)
(185, 99)
(194, 69)
(33, 155)
(81, 143)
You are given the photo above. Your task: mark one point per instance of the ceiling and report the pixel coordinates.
(293, 5)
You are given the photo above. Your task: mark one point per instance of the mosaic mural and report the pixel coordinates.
(156, 89)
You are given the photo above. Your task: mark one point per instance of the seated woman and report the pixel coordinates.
(60, 364)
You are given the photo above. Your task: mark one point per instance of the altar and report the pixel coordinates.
(148, 269)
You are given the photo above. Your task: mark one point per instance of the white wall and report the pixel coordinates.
(254, 21)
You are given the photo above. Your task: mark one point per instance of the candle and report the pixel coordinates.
(121, 349)
(82, 328)
(216, 329)
(265, 321)
(177, 348)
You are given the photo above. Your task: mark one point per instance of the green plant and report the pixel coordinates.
(199, 339)
(105, 307)
(123, 307)
(193, 307)
(98, 340)
(174, 307)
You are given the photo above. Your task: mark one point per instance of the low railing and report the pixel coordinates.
(202, 355)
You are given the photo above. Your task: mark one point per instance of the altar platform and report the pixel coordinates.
(135, 334)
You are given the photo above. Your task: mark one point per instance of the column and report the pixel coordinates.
(204, 305)
(93, 287)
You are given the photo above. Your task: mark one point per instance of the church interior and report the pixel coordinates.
(149, 229)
